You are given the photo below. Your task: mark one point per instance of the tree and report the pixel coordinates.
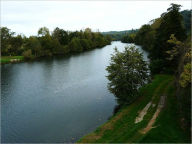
(88, 33)
(85, 44)
(43, 31)
(187, 20)
(185, 78)
(141, 34)
(16, 45)
(171, 23)
(127, 73)
(28, 54)
(34, 44)
(130, 38)
(6, 36)
(46, 44)
(61, 36)
(98, 40)
(75, 45)
(180, 55)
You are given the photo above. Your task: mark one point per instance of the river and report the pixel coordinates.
(57, 99)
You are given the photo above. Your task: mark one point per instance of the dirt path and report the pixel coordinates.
(155, 115)
(142, 113)
(161, 104)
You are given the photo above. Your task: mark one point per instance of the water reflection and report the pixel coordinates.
(57, 99)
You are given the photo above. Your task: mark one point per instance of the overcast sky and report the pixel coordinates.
(27, 17)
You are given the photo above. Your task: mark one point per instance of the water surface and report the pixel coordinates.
(57, 99)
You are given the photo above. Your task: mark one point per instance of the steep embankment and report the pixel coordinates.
(151, 118)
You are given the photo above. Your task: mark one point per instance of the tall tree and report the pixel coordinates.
(127, 73)
(61, 35)
(43, 31)
(6, 36)
(171, 23)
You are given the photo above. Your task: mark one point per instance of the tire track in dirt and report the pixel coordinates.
(160, 106)
(143, 112)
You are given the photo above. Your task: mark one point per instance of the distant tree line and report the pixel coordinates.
(48, 44)
(118, 35)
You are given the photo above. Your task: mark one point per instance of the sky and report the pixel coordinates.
(26, 17)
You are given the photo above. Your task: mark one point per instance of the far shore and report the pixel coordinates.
(11, 59)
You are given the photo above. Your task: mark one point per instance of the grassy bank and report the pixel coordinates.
(11, 59)
(122, 128)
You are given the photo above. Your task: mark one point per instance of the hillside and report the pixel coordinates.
(153, 117)
(117, 35)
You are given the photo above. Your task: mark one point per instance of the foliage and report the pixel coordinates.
(157, 66)
(154, 38)
(130, 38)
(75, 45)
(27, 54)
(171, 24)
(34, 44)
(6, 36)
(187, 20)
(180, 55)
(61, 35)
(127, 72)
(48, 44)
(185, 78)
(119, 35)
(122, 129)
(145, 37)
(86, 44)
(176, 49)
(43, 31)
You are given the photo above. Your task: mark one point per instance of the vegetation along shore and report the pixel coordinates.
(159, 111)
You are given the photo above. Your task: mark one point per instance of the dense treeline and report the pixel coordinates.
(154, 37)
(168, 41)
(187, 20)
(147, 31)
(48, 44)
(118, 35)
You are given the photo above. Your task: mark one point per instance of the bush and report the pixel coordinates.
(28, 54)
(127, 73)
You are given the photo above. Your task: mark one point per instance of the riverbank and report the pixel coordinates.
(152, 117)
(68, 92)
(15, 59)
(11, 59)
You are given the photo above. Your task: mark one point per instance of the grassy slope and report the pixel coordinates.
(121, 127)
(7, 59)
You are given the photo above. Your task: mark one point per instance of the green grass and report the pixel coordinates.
(168, 124)
(7, 59)
(121, 127)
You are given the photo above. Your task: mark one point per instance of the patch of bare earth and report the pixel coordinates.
(142, 113)
(152, 121)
